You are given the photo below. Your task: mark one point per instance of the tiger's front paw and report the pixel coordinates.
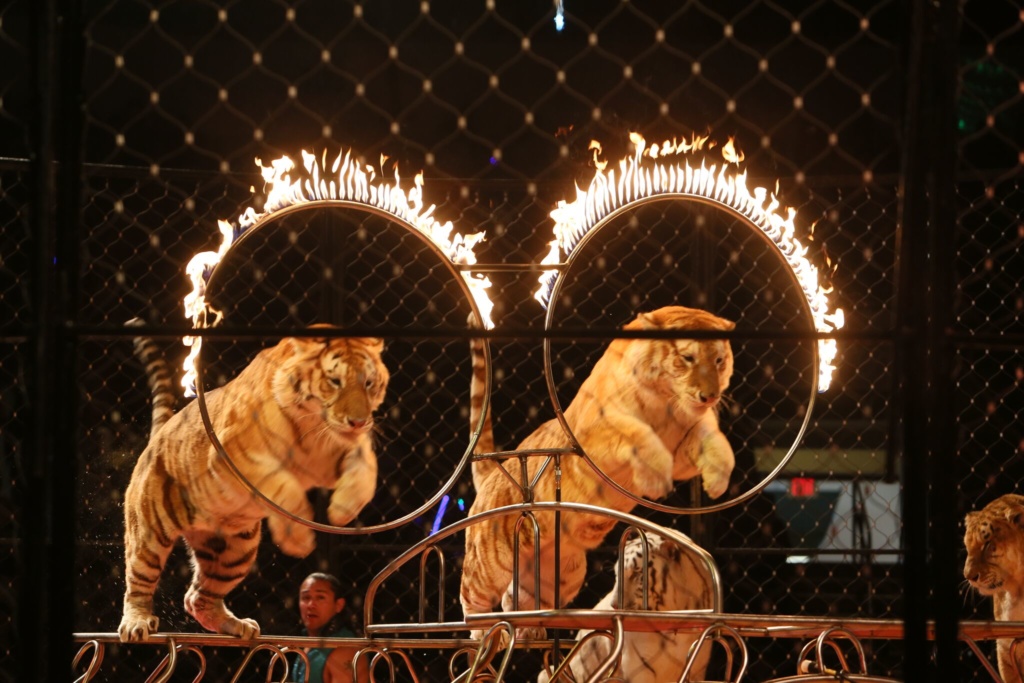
(350, 497)
(341, 513)
(242, 628)
(715, 482)
(716, 464)
(501, 637)
(531, 633)
(291, 537)
(651, 483)
(137, 626)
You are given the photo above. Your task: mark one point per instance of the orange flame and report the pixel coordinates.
(725, 185)
(344, 181)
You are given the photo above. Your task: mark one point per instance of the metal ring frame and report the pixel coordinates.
(549, 374)
(201, 396)
(548, 371)
(431, 541)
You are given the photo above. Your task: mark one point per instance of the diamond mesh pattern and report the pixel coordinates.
(498, 109)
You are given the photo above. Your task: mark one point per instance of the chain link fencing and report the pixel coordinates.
(497, 107)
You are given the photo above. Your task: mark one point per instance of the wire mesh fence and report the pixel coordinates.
(497, 106)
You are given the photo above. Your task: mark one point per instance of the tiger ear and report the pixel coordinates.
(375, 344)
(644, 321)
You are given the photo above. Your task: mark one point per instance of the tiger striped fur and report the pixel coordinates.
(158, 376)
(646, 415)
(299, 416)
(485, 442)
(676, 580)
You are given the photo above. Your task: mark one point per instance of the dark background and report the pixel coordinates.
(127, 129)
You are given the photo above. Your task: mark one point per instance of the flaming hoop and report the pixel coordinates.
(345, 183)
(649, 175)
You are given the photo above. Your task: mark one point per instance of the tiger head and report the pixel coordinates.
(695, 372)
(343, 379)
(994, 537)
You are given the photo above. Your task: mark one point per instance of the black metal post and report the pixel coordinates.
(33, 622)
(47, 534)
(923, 362)
(945, 574)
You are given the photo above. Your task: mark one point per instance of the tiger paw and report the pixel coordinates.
(652, 476)
(137, 627)
(531, 633)
(715, 481)
(341, 514)
(716, 463)
(243, 628)
(291, 537)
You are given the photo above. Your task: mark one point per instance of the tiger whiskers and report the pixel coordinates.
(968, 591)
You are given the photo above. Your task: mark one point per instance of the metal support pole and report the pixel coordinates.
(33, 622)
(47, 535)
(923, 353)
(941, 390)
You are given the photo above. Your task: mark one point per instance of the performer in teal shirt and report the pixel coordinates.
(320, 602)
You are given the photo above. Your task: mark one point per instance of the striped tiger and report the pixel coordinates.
(646, 415)
(676, 580)
(299, 416)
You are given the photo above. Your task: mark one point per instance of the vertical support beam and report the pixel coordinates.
(941, 410)
(704, 275)
(33, 620)
(47, 536)
(924, 272)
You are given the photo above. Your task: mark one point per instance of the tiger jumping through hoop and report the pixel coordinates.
(646, 416)
(299, 416)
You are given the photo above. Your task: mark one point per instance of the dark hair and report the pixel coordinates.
(329, 579)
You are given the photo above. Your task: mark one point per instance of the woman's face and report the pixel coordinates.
(317, 604)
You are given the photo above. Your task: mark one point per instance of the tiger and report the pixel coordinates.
(299, 416)
(676, 580)
(646, 415)
(994, 538)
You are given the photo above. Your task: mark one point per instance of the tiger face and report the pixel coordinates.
(994, 538)
(695, 372)
(700, 371)
(342, 380)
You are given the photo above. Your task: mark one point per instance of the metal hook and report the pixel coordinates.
(94, 663)
(405, 658)
(566, 663)
(485, 651)
(715, 633)
(440, 583)
(645, 555)
(169, 660)
(469, 652)
(379, 655)
(166, 664)
(278, 652)
(282, 656)
(536, 560)
(828, 636)
(613, 657)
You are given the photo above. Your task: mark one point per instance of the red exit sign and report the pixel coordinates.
(801, 487)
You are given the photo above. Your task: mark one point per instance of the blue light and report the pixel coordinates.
(494, 162)
(462, 504)
(440, 515)
(560, 17)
